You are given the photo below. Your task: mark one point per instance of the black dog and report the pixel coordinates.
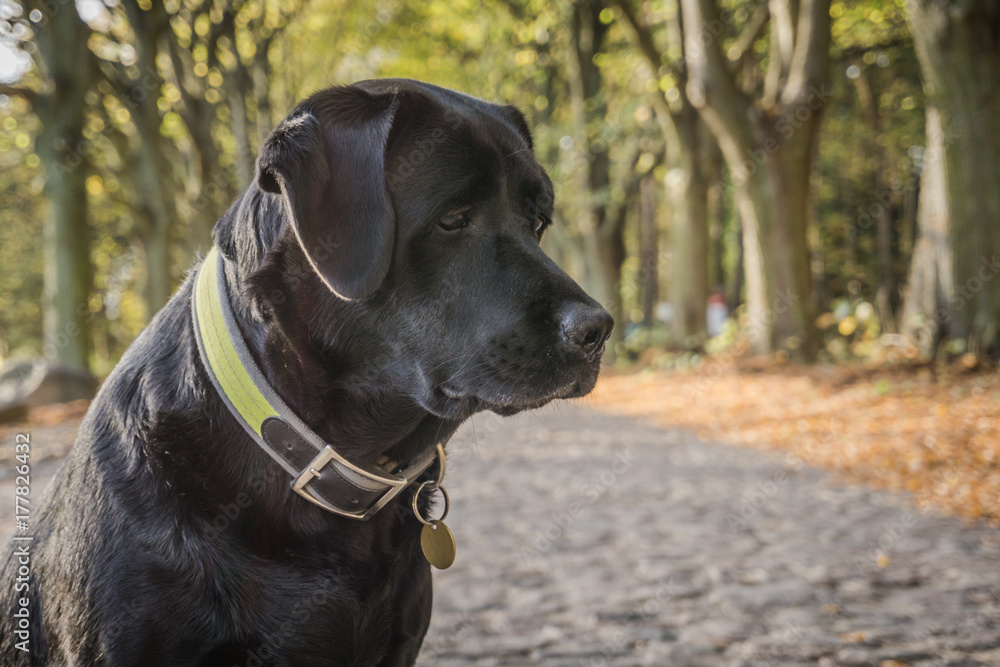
(385, 273)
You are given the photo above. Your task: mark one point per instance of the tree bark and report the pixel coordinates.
(239, 84)
(930, 286)
(241, 130)
(67, 67)
(958, 46)
(734, 288)
(717, 215)
(688, 187)
(649, 257)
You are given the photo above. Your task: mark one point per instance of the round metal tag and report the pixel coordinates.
(438, 545)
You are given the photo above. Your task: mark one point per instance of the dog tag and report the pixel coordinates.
(438, 545)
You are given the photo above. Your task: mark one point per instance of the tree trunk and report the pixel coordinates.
(734, 288)
(240, 87)
(717, 214)
(241, 129)
(930, 286)
(611, 252)
(688, 187)
(887, 298)
(153, 169)
(68, 274)
(883, 210)
(649, 256)
(958, 46)
(260, 75)
(773, 203)
(791, 185)
(156, 290)
(768, 145)
(68, 70)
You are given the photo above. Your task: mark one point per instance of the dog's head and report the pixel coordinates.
(407, 253)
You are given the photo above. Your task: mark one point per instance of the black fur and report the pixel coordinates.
(168, 537)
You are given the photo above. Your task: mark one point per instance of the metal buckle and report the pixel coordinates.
(324, 458)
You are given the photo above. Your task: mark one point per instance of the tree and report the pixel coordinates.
(954, 292)
(687, 182)
(147, 151)
(931, 283)
(867, 169)
(767, 136)
(66, 70)
(183, 95)
(183, 89)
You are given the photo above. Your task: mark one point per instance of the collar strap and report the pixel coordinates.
(320, 474)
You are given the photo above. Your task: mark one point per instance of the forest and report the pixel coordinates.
(823, 172)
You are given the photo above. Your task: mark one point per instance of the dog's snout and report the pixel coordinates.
(585, 328)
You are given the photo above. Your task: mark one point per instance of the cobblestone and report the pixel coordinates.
(590, 540)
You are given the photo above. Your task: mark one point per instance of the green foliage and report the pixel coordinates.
(219, 60)
(868, 151)
(21, 211)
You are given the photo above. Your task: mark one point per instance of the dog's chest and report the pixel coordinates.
(349, 615)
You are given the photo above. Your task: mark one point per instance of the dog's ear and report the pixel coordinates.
(514, 116)
(327, 160)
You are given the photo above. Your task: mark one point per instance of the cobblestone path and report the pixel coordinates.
(585, 539)
(589, 540)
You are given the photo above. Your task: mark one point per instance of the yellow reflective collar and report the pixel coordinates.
(319, 473)
(234, 382)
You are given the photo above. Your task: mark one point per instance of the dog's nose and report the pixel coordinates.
(585, 328)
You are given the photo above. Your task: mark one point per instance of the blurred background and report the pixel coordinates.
(784, 162)
(790, 206)
(744, 183)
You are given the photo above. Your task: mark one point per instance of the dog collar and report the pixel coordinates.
(319, 473)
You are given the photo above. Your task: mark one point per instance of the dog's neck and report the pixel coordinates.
(333, 389)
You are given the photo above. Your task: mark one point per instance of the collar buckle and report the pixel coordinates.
(315, 470)
(329, 458)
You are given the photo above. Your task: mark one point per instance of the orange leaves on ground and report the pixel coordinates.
(936, 436)
(47, 415)
(58, 413)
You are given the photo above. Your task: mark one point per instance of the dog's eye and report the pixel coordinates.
(540, 223)
(455, 219)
